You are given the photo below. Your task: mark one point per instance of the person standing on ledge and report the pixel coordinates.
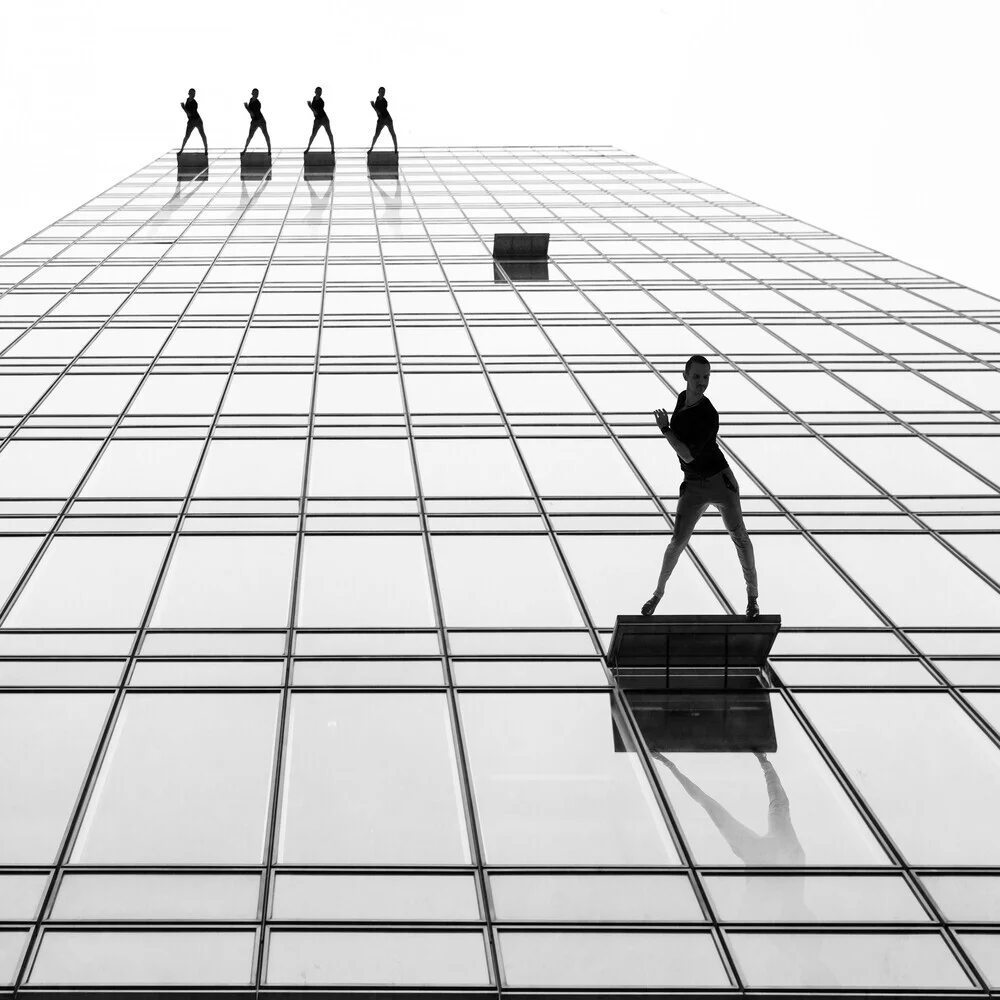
(320, 119)
(190, 106)
(381, 107)
(691, 432)
(256, 120)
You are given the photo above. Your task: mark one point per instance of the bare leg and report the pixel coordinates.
(253, 128)
(201, 132)
(267, 138)
(326, 125)
(392, 132)
(187, 134)
(313, 135)
(378, 130)
(732, 518)
(688, 513)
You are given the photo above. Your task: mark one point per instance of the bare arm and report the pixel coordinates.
(663, 422)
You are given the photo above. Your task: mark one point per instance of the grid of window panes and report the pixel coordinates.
(314, 530)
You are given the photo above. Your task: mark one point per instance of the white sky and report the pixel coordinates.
(875, 119)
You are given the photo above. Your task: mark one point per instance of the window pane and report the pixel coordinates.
(375, 897)
(350, 798)
(227, 582)
(370, 467)
(579, 467)
(157, 897)
(52, 737)
(721, 800)
(44, 468)
(847, 961)
(594, 897)
(375, 958)
(813, 898)
(449, 394)
(480, 468)
(966, 898)
(140, 958)
(551, 789)
(594, 959)
(186, 780)
(931, 776)
(794, 466)
(252, 468)
(90, 582)
(346, 581)
(11, 948)
(539, 393)
(20, 895)
(144, 469)
(502, 581)
(170, 394)
(879, 562)
(908, 465)
(268, 394)
(358, 394)
(89, 394)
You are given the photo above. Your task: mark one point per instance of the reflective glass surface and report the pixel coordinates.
(316, 524)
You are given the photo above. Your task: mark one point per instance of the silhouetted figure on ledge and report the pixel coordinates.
(381, 107)
(320, 119)
(256, 120)
(691, 432)
(190, 107)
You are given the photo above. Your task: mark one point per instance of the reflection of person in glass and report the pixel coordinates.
(256, 120)
(381, 107)
(691, 432)
(776, 898)
(320, 119)
(190, 107)
(779, 846)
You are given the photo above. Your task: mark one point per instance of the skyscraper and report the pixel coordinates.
(316, 523)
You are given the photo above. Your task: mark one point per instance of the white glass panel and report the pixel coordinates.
(91, 582)
(550, 787)
(371, 779)
(377, 958)
(643, 959)
(46, 741)
(141, 958)
(186, 780)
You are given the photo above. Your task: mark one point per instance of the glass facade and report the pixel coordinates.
(314, 524)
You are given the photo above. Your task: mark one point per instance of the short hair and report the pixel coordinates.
(695, 359)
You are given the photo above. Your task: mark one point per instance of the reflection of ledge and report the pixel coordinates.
(690, 651)
(520, 270)
(520, 246)
(383, 164)
(318, 163)
(726, 721)
(255, 166)
(190, 164)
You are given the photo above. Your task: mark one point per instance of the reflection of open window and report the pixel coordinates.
(693, 682)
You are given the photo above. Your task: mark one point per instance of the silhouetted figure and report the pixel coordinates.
(691, 432)
(190, 107)
(256, 120)
(381, 107)
(320, 119)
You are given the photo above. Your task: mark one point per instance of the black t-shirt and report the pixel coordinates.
(253, 106)
(382, 108)
(317, 106)
(697, 428)
(191, 107)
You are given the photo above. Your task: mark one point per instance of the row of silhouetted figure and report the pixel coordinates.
(316, 105)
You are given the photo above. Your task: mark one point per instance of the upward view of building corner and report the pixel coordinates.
(316, 521)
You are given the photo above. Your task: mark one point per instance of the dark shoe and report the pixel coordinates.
(752, 610)
(650, 606)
